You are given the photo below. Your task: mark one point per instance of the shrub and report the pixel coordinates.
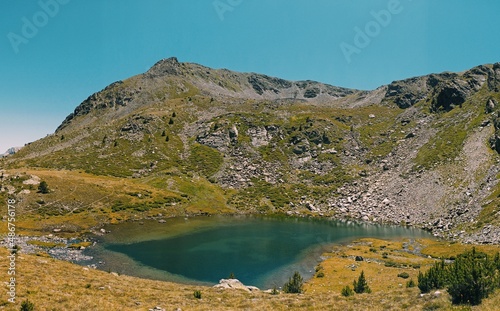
(390, 264)
(27, 306)
(410, 284)
(347, 291)
(231, 276)
(434, 278)
(275, 291)
(361, 286)
(320, 274)
(294, 284)
(471, 278)
(43, 187)
(403, 275)
(197, 294)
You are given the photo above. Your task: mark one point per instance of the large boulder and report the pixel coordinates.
(234, 284)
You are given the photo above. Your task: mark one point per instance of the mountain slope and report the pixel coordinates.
(422, 151)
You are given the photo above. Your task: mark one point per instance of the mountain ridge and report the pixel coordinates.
(421, 151)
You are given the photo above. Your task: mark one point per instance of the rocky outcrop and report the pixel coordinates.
(235, 284)
(408, 92)
(167, 66)
(445, 90)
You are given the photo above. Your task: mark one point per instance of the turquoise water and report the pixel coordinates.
(260, 251)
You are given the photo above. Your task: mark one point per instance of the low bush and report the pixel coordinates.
(403, 275)
(347, 291)
(197, 294)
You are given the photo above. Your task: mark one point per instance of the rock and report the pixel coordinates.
(312, 93)
(359, 258)
(490, 105)
(407, 92)
(410, 135)
(259, 136)
(233, 134)
(103, 231)
(234, 284)
(57, 230)
(372, 116)
(485, 123)
(311, 207)
(300, 149)
(451, 95)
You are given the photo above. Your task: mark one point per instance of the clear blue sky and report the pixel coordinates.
(52, 57)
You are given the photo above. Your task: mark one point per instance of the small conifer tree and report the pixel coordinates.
(294, 284)
(43, 187)
(361, 286)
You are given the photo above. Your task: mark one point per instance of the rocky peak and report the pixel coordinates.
(166, 66)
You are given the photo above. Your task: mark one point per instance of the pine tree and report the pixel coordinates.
(434, 278)
(171, 121)
(294, 284)
(472, 278)
(163, 133)
(361, 286)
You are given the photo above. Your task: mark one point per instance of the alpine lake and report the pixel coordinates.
(260, 251)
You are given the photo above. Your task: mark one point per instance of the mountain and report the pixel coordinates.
(186, 139)
(10, 151)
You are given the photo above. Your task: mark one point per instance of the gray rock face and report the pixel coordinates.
(259, 136)
(408, 92)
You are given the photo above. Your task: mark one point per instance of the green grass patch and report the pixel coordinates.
(205, 160)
